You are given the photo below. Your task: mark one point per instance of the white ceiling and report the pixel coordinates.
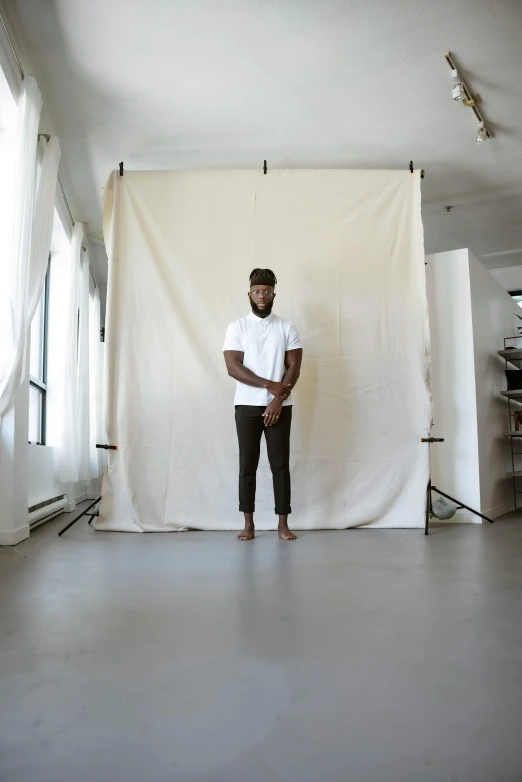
(194, 84)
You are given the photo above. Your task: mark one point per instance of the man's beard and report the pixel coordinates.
(264, 313)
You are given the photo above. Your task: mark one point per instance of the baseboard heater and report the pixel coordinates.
(44, 511)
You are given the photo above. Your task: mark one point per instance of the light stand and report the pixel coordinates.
(83, 513)
(432, 488)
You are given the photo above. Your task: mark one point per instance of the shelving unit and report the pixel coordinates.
(512, 355)
(513, 360)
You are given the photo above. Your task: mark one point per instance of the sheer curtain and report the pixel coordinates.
(69, 434)
(95, 385)
(82, 377)
(58, 338)
(30, 235)
(43, 224)
(76, 381)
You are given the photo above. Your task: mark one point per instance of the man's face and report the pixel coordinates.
(261, 299)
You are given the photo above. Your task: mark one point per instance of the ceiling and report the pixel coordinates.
(191, 84)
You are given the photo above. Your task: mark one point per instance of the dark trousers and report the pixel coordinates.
(250, 428)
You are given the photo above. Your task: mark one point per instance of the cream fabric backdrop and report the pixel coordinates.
(347, 248)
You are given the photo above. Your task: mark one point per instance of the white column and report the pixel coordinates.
(70, 490)
(14, 427)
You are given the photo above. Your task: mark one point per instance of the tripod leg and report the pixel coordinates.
(78, 517)
(462, 505)
(428, 509)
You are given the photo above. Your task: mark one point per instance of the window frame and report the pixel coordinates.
(41, 385)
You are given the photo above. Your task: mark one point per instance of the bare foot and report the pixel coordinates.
(285, 534)
(248, 533)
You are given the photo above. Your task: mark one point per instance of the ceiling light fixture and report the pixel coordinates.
(482, 134)
(457, 92)
(463, 95)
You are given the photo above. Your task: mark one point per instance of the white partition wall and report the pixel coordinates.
(454, 463)
(494, 316)
(470, 314)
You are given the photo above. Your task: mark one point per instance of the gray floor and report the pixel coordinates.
(343, 657)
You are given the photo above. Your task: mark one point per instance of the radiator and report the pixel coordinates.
(42, 511)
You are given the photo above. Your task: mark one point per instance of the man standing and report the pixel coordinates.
(263, 353)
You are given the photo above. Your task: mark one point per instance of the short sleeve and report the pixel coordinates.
(293, 341)
(233, 338)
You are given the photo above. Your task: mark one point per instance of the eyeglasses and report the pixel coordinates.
(264, 294)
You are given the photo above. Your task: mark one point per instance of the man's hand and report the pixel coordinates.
(272, 412)
(279, 390)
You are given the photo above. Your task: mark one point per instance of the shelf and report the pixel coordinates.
(513, 358)
(511, 355)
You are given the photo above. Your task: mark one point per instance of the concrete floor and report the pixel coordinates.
(360, 656)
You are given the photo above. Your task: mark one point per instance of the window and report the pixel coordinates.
(38, 368)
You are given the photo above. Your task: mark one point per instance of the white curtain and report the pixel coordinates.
(26, 253)
(43, 224)
(75, 441)
(69, 435)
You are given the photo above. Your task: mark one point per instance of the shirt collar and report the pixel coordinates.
(262, 320)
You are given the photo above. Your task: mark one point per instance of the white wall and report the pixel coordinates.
(454, 463)
(509, 277)
(494, 317)
(43, 472)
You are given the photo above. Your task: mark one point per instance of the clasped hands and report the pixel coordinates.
(280, 392)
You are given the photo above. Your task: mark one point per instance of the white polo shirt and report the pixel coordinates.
(264, 342)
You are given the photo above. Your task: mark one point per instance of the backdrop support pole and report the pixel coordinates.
(428, 509)
(83, 513)
(432, 488)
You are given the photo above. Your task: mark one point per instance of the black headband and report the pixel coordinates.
(262, 279)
